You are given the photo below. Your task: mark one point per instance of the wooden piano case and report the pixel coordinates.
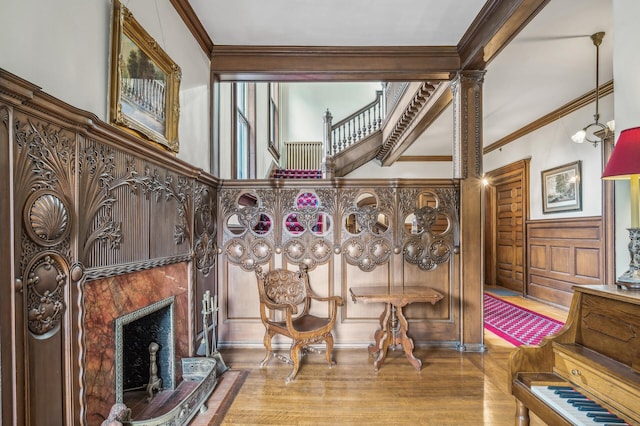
(597, 351)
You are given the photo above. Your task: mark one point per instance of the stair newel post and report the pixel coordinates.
(327, 159)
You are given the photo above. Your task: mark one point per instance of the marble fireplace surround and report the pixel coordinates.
(110, 298)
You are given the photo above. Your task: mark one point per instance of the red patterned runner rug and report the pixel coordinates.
(517, 325)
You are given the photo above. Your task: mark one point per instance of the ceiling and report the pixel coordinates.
(548, 64)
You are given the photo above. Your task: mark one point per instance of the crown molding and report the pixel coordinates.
(496, 25)
(192, 22)
(566, 109)
(334, 63)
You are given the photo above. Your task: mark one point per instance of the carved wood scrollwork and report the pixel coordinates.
(367, 227)
(44, 175)
(248, 231)
(102, 172)
(205, 247)
(430, 223)
(307, 224)
(295, 222)
(46, 276)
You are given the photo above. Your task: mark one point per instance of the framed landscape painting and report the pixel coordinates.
(561, 188)
(144, 82)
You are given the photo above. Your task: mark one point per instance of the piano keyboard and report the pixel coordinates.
(576, 407)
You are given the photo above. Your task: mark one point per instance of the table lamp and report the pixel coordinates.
(625, 164)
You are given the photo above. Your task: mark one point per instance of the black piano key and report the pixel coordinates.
(575, 395)
(594, 409)
(607, 419)
(579, 401)
(602, 415)
(586, 406)
(568, 388)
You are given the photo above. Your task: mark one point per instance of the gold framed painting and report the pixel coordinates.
(561, 188)
(144, 82)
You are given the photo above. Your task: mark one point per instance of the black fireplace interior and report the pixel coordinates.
(137, 336)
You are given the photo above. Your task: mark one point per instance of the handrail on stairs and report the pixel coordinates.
(355, 127)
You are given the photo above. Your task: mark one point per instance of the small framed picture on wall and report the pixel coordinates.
(562, 189)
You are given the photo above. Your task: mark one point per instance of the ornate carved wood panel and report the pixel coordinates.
(350, 234)
(87, 201)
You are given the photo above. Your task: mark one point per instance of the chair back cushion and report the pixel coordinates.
(282, 286)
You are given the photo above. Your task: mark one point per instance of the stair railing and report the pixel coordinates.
(355, 127)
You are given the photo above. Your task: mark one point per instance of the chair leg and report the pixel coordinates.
(295, 357)
(267, 344)
(329, 341)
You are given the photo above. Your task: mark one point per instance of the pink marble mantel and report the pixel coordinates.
(109, 298)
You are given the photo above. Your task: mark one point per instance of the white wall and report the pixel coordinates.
(304, 105)
(627, 95)
(63, 47)
(551, 146)
(404, 170)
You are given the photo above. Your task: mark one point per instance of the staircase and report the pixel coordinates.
(358, 138)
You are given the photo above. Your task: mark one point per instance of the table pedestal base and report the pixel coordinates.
(392, 334)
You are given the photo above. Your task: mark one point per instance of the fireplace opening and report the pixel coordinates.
(145, 352)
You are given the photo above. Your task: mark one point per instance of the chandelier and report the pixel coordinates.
(596, 131)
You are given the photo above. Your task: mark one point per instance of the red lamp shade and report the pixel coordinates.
(625, 158)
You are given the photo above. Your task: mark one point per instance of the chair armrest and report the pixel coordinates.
(336, 299)
(281, 306)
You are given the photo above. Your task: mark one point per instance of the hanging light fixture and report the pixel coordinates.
(588, 133)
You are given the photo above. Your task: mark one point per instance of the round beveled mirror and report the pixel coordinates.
(263, 225)
(381, 225)
(234, 226)
(427, 199)
(411, 225)
(247, 199)
(323, 225)
(307, 199)
(351, 224)
(366, 199)
(292, 225)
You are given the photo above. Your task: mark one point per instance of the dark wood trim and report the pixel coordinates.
(234, 132)
(192, 22)
(437, 102)
(576, 104)
(496, 25)
(334, 63)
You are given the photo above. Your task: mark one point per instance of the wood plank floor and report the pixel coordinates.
(453, 388)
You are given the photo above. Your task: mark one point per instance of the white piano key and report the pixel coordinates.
(562, 406)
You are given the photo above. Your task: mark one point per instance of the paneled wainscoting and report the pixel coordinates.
(563, 253)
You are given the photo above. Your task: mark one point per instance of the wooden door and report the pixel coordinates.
(508, 206)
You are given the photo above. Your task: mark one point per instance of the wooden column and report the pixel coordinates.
(467, 166)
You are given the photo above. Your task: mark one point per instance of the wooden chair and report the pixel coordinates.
(287, 296)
